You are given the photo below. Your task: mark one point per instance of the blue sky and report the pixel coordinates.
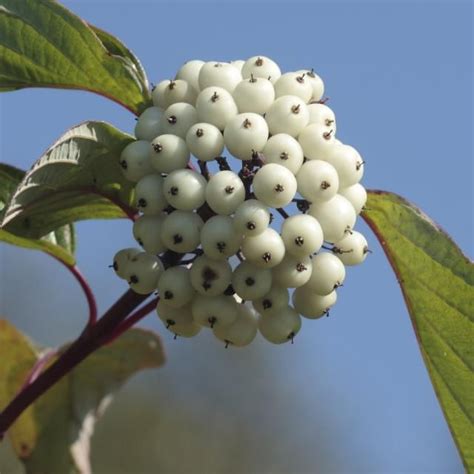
(399, 77)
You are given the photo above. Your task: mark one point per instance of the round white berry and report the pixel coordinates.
(328, 274)
(302, 235)
(251, 218)
(225, 192)
(149, 196)
(189, 72)
(242, 331)
(274, 185)
(272, 301)
(147, 232)
(322, 115)
(317, 181)
(280, 326)
(250, 282)
(311, 305)
(169, 92)
(261, 66)
(135, 160)
(284, 150)
(168, 153)
(336, 216)
(210, 277)
(143, 272)
(317, 84)
(205, 141)
(216, 106)
(178, 118)
(292, 272)
(356, 195)
(352, 249)
(294, 83)
(185, 189)
(348, 163)
(213, 311)
(215, 74)
(316, 141)
(174, 287)
(178, 321)
(219, 239)
(266, 250)
(122, 259)
(181, 231)
(254, 95)
(245, 134)
(288, 114)
(148, 124)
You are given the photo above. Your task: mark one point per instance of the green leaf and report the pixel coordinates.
(59, 243)
(437, 282)
(53, 435)
(42, 44)
(78, 178)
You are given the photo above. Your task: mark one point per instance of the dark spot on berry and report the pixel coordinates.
(247, 123)
(299, 241)
(221, 246)
(295, 109)
(325, 185)
(124, 164)
(133, 279)
(173, 190)
(157, 147)
(267, 304)
(300, 79)
(212, 320)
(215, 97)
(168, 295)
(209, 274)
(172, 119)
(266, 257)
(251, 225)
(284, 155)
(171, 85)
(300, 267)
(229, 291)
(259, 62)
(169, 323)
(250, 281)
(206, 285)
(141, 202)
(229, 189)
(177, 238)
(199, 132)
(115, 265)
(279, 188)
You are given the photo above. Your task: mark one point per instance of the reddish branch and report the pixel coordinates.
(90, 340)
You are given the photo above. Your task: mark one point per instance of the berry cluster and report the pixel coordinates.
(209, 248)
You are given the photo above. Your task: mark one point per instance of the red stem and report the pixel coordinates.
(91, 301)
(90, 340)
(132, 320)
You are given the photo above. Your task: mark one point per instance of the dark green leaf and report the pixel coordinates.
(437, 281)
(42, 44)
(79, 177)
(59, 243)
(53, 435)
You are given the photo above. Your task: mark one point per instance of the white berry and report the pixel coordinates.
(272, 301)
(225, 192)
(280, 326)
(245, 134)
(174, 287)
(292, 272)
(251, 218)
(168, 152)
(328, 274)
(178, 118)
(185, 189)
(316, 141)
(149, 196)
(135, 160)
(122, 259)
(294, 83)
(216, 106)
(205, 141)
(352, 249)
(356, 195)
(284, 150)
(254, 95)
(288, 114)
(143, 272)
(274, 185)
(266, 250)
(242, 331)
(219, 239)
(317, 181)
(169, 92)
(210, 277)
(147, 232)
(181, 231)
(213, 311)
(250, 282)
(311, 305)
(215, 74)
(302, 235)
(261, 66)
(148, 124)
(189, 72)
